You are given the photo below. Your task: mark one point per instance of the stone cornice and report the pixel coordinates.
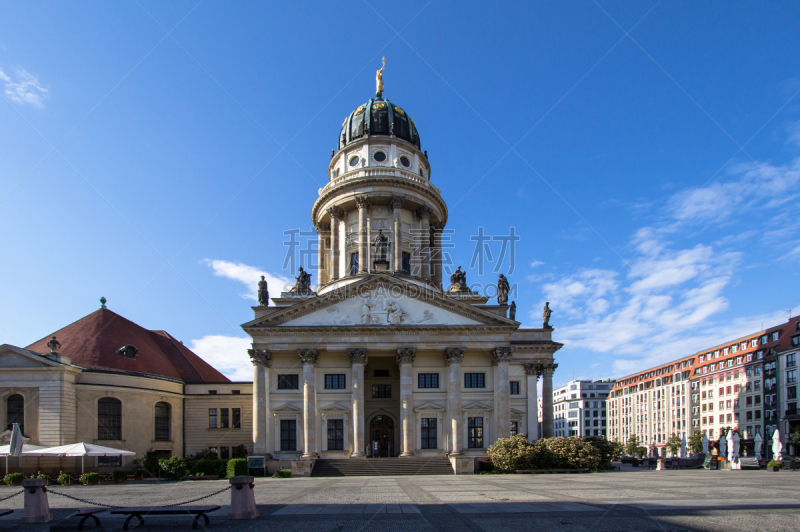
(379, 330)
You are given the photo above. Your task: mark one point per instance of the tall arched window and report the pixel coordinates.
(15, 412)
(109, 419)
(163, 421)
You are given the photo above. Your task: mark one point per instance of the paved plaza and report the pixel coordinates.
(625, 500)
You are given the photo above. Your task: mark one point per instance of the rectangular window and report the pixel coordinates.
(514, 387)
(791, 360)
(334, 381)
(224, 453)
(288, 382)
(335, 434)
(475, 380)
(223, 418)
(428, 433)
(381, 373)
(353, 263)
(236, 414)
(212, 418)
(791, 392)
(514, 428)
(381, 391)
(288, 435)
(407, 263)
(428, 380)
(791, 376)
(109, 461)
(776, 335)
(475, 430)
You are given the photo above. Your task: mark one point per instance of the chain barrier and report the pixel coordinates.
(10, 496)
(114, 506)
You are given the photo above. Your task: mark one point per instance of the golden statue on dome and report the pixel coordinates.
(379, 81)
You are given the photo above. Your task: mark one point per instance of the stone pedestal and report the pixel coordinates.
(302, 468)
(660, 465)
(243, 500)
(37, 509)
(463, 465)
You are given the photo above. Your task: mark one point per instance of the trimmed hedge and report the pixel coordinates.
(236, 467)
(208, 467)
(516, 452)
(174, 467)
(89, 479)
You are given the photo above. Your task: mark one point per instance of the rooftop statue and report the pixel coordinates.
(379, 81)
(458, 281)
(546, 316)
(502, 290)
(303, 285)
(512, 311)
(263, 293)
(381, 248)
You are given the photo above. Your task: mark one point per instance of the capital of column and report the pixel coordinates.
(260, 357)
(397, 202)
(502, 354)
(424, 212)
(454, 355)
(406, 355)
(549, 369)
(362, 202)
(357, 355)
(323, 228)
(308, 356)
(534, 369)
(335, 212)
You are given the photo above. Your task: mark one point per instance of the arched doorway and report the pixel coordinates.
(381, 436)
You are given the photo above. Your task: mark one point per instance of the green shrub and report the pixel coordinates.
(775, 463)
(511, 454)
(43, 476)
(13, 479)
(174, 467)
(283, 473)
(515, 453)
(140, 472)
(606, 449)
(240, 451)
(205, 454)
(119, 476)
(236, 467)
(64, 479)
(573, 453)
(149, 461)
(208, 467)
(89, 479)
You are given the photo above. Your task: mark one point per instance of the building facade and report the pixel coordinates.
(743, 384)
(579, 408)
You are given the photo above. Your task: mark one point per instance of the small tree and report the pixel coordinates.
(696, 442)
(673, 444)
(632, 447)
(616, 448)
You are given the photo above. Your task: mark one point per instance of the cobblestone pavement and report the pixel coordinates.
(621, 500)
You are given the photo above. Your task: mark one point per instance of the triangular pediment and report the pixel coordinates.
(429, 407)
(477, 407)
(287, 409)
(381, 301)
(334, 409)
(17, 357)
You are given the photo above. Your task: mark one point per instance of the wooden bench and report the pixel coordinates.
(138, 512)
(538, 471)
(88, 513)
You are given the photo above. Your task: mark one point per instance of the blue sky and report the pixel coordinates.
(645, 152)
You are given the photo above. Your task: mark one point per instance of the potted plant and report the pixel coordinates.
(119, 476)
(42, 476)
(13, 479)
(64, 479)
(774, 465)
(90, 479)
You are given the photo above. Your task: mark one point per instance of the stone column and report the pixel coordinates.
(363, 245)
(262, 361)
(425, 242)
(357, 359)
(533, 372)
(453, 357)
(322, 271)
(397, 206)
(436, 256)
(502, 394)
(335, 213)
(405, 357)
(309, 358)
(547, 400)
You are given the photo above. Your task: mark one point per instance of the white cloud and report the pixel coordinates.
(23, 88)
(536, 263)
(249, 276)
(228, 354)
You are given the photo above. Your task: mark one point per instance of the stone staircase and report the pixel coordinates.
(376, 467)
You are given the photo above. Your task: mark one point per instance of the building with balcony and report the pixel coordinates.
(579, 408)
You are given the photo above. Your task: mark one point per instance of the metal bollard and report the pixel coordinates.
(243, 499)
(37, 509)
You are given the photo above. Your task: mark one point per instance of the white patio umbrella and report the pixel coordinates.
(80, 449)
(5, 451)
(757, 444)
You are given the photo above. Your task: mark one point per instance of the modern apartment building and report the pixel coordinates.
(579, 408)
(736, 384)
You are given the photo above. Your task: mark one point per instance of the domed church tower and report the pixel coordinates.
(381, 361)
(379, 212)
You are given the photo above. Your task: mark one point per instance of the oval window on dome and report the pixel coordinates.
(379, 156)
(354, 160)
(404, 161)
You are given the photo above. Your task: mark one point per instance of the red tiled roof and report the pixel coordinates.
(92, 341)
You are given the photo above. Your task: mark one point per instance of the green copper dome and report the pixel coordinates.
(378, 117)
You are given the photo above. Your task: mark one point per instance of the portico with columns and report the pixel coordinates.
(383, 359)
